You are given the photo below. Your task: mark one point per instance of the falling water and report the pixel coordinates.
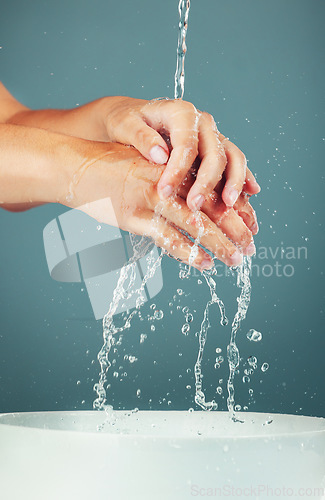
(124, 288)
(184, 9)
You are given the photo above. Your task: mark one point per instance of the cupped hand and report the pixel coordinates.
(125, 188)
(143, 124)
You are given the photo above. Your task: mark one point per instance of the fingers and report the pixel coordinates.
(211, 237)
(147, 141)
(229, 221)
(235, 173)
(247, 213)
(180, 120)
(171, 239)
(251, 186)
(231, 224)
(213, 162)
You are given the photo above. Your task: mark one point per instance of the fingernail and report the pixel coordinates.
(255, 228)
(158, 155)
(165, 192)
(232, 196)
(198, 201)
(250, 250)
(236, 258)
(206, 264)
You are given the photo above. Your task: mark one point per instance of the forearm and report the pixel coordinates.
(36, 165)
(85, 121)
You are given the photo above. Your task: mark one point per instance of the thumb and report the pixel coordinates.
(147, 141)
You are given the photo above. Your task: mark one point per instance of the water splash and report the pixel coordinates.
(123, 291)
(243, 282)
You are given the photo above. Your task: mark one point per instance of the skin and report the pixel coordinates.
(116, 185)
(146, 125)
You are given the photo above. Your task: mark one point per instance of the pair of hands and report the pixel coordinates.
(158, 200)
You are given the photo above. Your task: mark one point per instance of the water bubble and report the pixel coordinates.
(132, 359)
(183, 274)
(189, 318)
(264, 367)
(254, 336)
(143, 337)
(250, 391)
(219, 390)
(78, 382)
(218, 349)
(185, 309)
(115, 374)
(246, 379)
(191, 410)
(237, 408)
(188, 387)
(138, 393)
(98, 227)
(185, 328)
(158, 314)
(199, 282)
(180, 291)
(252, 361)
(153, 306)
(152, 328)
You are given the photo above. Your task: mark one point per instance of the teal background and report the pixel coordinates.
(258, 68)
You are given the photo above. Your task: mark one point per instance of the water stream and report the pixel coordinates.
(124, 288)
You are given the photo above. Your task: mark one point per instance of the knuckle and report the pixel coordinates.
(140, 136)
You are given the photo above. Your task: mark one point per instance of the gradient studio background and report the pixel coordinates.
(258, 68)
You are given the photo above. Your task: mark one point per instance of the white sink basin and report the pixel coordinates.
(163, 455)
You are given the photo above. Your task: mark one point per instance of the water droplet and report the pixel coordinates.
(185, 328)
(254, 336)
(158, 314)
(252, 361)
(143, 337)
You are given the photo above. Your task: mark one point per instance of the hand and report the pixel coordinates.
(192, 133)
(142, 124)
(125, 188)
